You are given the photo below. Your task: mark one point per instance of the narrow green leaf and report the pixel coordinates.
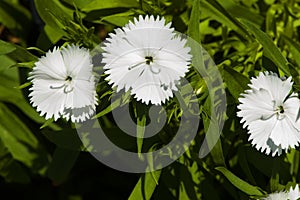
(61, 165)
(119, 19)
(209, 75)
(194, 32)
(105, 4)
(145, 187)
(240, 184)
(25, 85)
(47, 123)
(293, 158)
(212, 143)
(294, 47)
(140, 131)
(20, 141)
(213, 9)
(40, 51)
(270, 49)
(79, 3)
(189, 177)
(20, 54)
(48, 37)
(244, 163)
(14, 96)
(193, 28)
(109, 108)
(25, 64)
(54, 14)
(239, 11)
(65, 139)
(10, 169)
(47, 10)
(236, 82)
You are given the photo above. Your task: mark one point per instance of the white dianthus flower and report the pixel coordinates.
(63, 84)
(147, 58)
(269, 111)
(292, 194)
(277, 196)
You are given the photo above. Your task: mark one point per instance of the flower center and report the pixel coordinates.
(69, 78)
(67, 86)
(280, 112)
(149, 59)
(280, 109)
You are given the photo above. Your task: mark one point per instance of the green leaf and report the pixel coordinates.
(235, 81)
(10, 169)
(9, 91)
(189, 179)
(29, 64)
(239, 11)
(211, 128)
(22, 55)
(105, 4)
(78, 3)
(194, 32)
(51, 11)
(6, 47)
(193, 28)
(145, 187)
(140, 131)
(15, 17)
(293, 158)
(270, 49)
(109, 108)
(244, 163)
(212, 143)
(61, 165)
(20, 141)
(13, 95)
(119, 19)
(65, 139)
(294, 47)
(25, 85)
(6, 63)
(240, 184)
(55, 15)
(213, 9)
(48, 37)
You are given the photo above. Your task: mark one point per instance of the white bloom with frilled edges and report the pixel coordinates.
(146, 57)
(269, 111)
(292, 194)
(63, 84)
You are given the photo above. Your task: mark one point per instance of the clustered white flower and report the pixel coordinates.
(292, 194)
(63, 84)
(147, 58)
(269, 110)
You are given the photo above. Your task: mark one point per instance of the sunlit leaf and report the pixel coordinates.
(270, 49)
(145, 186)
(239, 183)
(236, 82)
(105, 4)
